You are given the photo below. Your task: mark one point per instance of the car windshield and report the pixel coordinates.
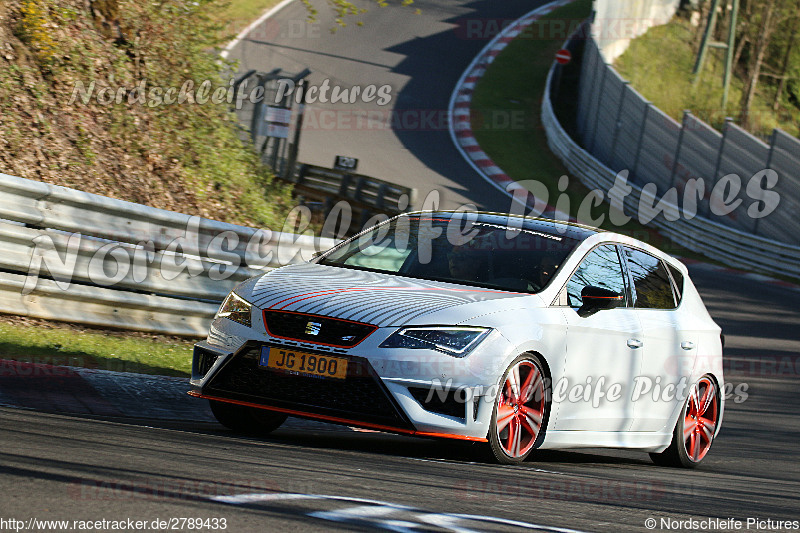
(457, 250)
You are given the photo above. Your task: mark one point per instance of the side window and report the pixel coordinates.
(651, 285)
(601, 268)
(677, 277)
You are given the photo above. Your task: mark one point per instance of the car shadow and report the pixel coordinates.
(432, 449)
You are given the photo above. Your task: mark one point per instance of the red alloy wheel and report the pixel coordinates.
(700, 420)
(520, 410)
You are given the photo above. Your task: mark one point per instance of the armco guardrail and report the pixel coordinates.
(717, 241)
(79, 257)
(365, 195)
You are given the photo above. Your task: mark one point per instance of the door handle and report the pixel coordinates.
(634, 343)
(687, 345)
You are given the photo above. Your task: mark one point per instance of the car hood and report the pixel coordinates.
(375, 298)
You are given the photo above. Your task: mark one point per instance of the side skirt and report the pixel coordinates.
(643, 440)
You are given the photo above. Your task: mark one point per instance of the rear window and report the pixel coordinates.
(652, 288)
(677, 278)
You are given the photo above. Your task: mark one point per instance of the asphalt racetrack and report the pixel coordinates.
(420, 57)
(65, 467)
(57, 466)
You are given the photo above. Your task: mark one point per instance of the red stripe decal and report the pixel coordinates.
(326, 418)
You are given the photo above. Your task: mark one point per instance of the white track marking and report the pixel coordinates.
(242, 34)
(374, 513)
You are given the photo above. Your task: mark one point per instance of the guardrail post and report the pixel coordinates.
(327, 206)
(298, 128)
(258, 109)
(686, 115)
(772, 140)
(301, 174)
(379, 198)
(617, 123)
(237, 83)
(725, 129)
(412, 201)
(344, 184)
(640, 141)
(359, 187)
(599, 89)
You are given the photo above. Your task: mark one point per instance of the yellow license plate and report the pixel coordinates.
(303, 363)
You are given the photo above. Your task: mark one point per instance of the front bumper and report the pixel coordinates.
(388, 392)
(361, 395)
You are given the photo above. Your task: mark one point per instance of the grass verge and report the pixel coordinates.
(36, 341)
(514, 86)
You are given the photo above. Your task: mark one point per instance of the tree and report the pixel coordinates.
(757, 60)
(787, 63)
(766, 51)
(771, 32)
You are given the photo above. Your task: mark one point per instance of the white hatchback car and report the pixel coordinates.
(519, 332)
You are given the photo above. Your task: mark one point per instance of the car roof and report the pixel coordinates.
(571, 230)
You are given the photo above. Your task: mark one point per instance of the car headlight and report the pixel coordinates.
(455, 341)
(235, 308)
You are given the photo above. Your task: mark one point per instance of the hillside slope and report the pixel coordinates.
(179, 156)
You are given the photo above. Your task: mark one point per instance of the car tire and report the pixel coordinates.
(696, 427)
(246, 420)
(521, 410)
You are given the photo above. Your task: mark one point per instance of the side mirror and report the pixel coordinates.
(597, 299)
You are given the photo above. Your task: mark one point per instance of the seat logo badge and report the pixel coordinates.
(312, 328)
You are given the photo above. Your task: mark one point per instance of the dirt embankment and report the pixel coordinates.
(183, 157)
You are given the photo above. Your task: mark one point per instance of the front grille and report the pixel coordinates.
(315, 328)
(439, 401)
(203, 361)
(361, 396)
